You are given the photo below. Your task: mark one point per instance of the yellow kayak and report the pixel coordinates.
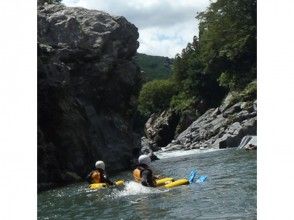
(178, 182)
(104, 185)
(168, 182)
(163, 181)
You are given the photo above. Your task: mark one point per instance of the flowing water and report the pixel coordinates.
(228, 193)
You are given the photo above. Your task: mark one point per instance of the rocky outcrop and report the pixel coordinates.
(143, 147)
(87, 88)
(146, 148)
(160, 129)
(248, 142)
(222, 127)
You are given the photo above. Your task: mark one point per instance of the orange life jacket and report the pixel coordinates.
(137, 174)
(97, 177)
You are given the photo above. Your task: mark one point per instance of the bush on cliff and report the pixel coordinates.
(249, 93)
(181, 102)
(155, 96)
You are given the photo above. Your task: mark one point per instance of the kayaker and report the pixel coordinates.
(143, 173)
(98, 175)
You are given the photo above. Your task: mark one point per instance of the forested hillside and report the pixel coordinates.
(154, 67)
(221, 59)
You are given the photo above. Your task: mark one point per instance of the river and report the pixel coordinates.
(228, 193)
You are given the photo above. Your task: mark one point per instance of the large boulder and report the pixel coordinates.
(87, 90)
(160, 128)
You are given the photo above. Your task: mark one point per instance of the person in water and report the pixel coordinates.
(98, 175)
(143, 174)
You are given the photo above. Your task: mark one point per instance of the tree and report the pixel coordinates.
(227, 35)
(155, 96)
(222, 59)
(196, 88)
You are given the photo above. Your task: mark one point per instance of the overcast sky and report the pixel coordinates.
(165, 26)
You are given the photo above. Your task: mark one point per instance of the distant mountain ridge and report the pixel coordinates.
(154, 67)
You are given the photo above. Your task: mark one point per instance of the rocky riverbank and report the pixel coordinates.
(87, 89)
(221, 127)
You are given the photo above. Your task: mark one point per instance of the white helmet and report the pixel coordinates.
(100, 164)
(144, 159)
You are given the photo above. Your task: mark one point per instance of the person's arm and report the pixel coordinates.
(88, 178)
(107, 180)
(147, 178)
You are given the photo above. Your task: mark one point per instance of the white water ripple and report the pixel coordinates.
(178, 153)
(134, 188)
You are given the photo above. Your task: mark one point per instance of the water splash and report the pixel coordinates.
(178, 153)
(133, 188)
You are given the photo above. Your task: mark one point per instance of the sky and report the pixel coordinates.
(165, 26)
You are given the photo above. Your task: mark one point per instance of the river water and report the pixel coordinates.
(228, 193)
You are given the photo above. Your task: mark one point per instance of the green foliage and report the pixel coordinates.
(249, 93)
(155, 96)
(227, 80)
(221, 60)
(181, 102)
(154, 67)
(197, 89)
(227, 34)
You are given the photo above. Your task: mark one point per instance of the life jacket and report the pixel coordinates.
(96, 176)
(137, 173)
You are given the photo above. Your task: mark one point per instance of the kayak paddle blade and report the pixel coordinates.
(201, 179)
(192, 176)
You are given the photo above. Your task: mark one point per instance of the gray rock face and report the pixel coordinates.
(247, 142)
(160, 129)
(222, 127)
(87, 88)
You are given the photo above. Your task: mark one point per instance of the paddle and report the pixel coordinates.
(201, 179)
(194, 178)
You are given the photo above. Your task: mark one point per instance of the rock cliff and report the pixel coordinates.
(160, 128)
(221, 127)
(87, 91)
